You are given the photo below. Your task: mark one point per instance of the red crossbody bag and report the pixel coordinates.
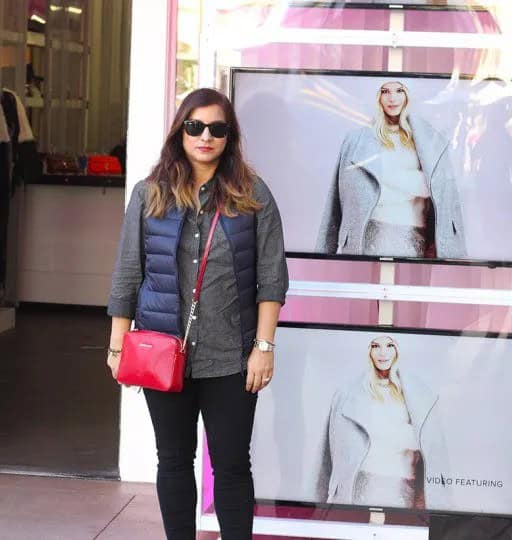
(156, 360)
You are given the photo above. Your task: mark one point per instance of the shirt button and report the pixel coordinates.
(196, 235)
(194, 317)
(202, 188)
(201, 211)
(193, 290)
(195, 261)
(193, 344)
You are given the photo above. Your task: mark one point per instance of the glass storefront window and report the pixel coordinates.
(298, 72)
(187, 58)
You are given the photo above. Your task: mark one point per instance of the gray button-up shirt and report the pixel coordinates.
(215, 341)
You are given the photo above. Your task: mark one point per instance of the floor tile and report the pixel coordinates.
(40, 508)
(60, 406)
(139, 519)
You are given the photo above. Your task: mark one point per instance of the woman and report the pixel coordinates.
(382, 441)
(230, 343)
(394, 191)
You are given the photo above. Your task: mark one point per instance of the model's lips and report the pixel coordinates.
(205, 148)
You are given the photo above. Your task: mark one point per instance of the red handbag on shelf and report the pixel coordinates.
(156, 360)
(103, 165)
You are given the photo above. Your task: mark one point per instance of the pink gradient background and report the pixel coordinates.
(360, 312)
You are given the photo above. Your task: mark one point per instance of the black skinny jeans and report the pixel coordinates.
(228, 415)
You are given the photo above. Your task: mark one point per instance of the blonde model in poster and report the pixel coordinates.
(394, 191)
(382, 441)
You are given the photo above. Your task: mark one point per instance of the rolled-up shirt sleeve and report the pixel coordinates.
(129, 268)
(271, 269)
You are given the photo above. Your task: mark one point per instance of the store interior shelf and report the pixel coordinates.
(34, 102)
(38, 103)
(11, 37)
(37, 39)
(90, 180)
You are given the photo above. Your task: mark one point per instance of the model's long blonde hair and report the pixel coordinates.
(394, 378)
(381, 125)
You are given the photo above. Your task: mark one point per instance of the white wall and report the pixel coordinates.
(146, 124)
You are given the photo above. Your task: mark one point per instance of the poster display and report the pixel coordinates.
(395, 165)
(426, 4)
(401, 419)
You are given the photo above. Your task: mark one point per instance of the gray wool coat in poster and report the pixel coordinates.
(345, 444)
(355, 191)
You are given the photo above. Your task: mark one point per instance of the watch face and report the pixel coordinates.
(263, 346)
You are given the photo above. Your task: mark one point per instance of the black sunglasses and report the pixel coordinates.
(194, 128)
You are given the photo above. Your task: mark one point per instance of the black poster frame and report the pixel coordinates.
(419, 514)
(492, 263)
(398, 5)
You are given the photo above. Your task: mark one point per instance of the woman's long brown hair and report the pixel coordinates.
(171, 183)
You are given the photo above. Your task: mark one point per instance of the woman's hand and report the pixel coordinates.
(120, 326)
(113, 363)
(260, 368)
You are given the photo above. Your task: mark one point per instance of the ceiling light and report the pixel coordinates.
(37, 18)
(55, 8)
(75, 10)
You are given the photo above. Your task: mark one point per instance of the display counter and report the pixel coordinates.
(81, 180)
(68, 238)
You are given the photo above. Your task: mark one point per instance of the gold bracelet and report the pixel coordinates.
(114, 352)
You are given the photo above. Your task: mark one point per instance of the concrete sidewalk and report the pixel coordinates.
(53, 508)
(49, 508)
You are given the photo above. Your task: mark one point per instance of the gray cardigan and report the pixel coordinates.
(345, 443)
(355, 192)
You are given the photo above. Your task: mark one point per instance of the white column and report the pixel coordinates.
(146, 133)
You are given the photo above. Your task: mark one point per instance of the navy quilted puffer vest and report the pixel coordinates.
(158, 306)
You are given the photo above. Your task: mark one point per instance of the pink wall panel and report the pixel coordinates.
(207, 491)
(453, 317)
(318, 270)
(427, 60)
(347, 19)
(300, 55)
(454, 276)
(450, 21)
(297, 55)
(330, 310)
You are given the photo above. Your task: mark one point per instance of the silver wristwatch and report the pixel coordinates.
(263, 345)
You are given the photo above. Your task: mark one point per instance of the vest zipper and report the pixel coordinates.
(178, 238)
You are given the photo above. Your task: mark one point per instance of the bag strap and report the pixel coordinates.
(200, 276)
